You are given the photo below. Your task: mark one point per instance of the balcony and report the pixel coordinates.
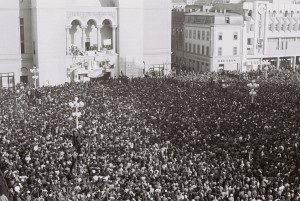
(91, 64)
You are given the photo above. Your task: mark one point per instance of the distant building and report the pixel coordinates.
(75, 40)
(213, 41)
(268, 35)
(179, 5)
(178, 39)
(272, 32)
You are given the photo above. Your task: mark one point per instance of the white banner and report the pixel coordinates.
(107, 42)
(96, 73)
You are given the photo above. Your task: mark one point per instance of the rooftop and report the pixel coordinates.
(212, 14)
(178, 1)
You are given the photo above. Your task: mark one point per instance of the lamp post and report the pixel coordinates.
(75, 104)
(34, 71)
(253, 89)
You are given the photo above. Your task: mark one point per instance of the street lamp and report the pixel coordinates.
(253, 89)
(34, 71)
(75, 104)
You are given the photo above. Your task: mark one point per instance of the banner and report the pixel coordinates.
(96, 73)
(107, 42)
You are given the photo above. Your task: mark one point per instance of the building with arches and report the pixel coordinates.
(75, 40)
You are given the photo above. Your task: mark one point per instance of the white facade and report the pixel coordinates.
(268, 33)
(73, 39)
(10, 50)
(212, 43)
(272, 32)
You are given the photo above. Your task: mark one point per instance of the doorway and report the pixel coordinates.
(24, 79)
(87, 46)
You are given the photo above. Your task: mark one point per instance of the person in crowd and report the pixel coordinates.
(173, 138)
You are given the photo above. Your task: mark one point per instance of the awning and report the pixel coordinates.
(292, 20)
(274, 20)
(250, 19)
(286, 20)
(280, 20)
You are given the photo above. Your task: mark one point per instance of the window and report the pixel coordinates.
(249, 41)
(199, 35)
(203, 35)
(207, 51)
(194, 48)
(185, 47)
(203, 50)
(227, 19)
(198, 49)
(221, 66)
(220, 51)
(234, 50)
(235, 36)
(220, 36)
(186, 33)
(286, 14)
(278, 27)
(22, 35)
(250, 13)
(190, 47)
(207, 35)
(33, 44)
(190, 33)
(270, 27)
(194, 34)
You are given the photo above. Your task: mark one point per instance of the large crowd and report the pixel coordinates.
(181, 139)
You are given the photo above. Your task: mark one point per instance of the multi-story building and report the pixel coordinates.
(177, 38)
(179, 5)
(271, 32)
(213, 41)
(71, 40)
(268, 33)
(10, 54)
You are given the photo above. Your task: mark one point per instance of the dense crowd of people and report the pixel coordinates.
(183, 138)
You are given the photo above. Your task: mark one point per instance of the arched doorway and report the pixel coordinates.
(76, 33)
(106, 34)
(24, 75)
(91, 36)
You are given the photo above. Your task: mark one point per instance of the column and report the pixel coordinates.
(68, 40)
(83, 28)
(114, 37)
(99, 39)
(278, 63)
(294, 63)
